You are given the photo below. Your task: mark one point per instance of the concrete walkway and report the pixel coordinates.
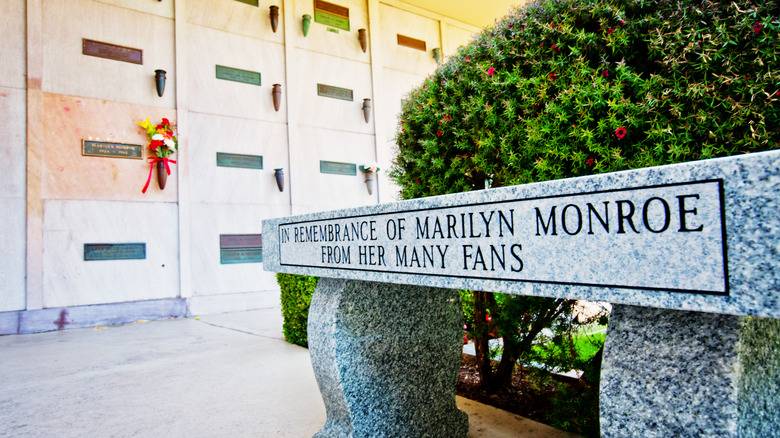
(227, 375)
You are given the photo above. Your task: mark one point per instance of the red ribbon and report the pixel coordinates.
(152, 162)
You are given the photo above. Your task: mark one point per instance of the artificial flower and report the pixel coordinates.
(373, 167)
(162, 143)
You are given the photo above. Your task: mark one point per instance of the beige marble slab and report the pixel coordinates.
(163, 8)
(210, 95)
(395, 21)
(12, 51)
(238, 18)
(210, 134)
(13, 203)
(237, 302)
(315, 191)
(12, 254)
(313, 110)
(397, 87)
(68, 71)
(71, 281)
(209, 221)
(67, 174)
(13, 127)
(454, 37)
(332, 40)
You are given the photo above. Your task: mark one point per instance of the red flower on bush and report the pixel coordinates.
(620, 132)
(610, 30)
(417, 181)
(490, 71)
(553, 76)
(757, 27)
(447, 118)
(590, 162)
(439, 133)
(605, 73)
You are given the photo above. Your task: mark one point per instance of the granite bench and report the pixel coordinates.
(687, 254)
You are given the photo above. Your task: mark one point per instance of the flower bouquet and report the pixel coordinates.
(369, 171)
(369, 168)
(163, 143)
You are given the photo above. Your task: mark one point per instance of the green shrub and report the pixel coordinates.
(568, 88)
(296, 298)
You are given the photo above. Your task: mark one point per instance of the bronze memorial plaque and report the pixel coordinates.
(225, 159)
(114, 251)
(334, 92)
(331, 15)
(414, 43)
(240, 241)
(238, 75)
(336, 168)
(240, 248)
(91, 148)
(233, 256)
(111, 51)
(341, 11)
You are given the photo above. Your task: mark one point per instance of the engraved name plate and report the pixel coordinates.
(112, 150)
(238, 75)
(667, 237)
(239, 160)
(335, 92)
(111, 51)
(114, 251)
(413, 43)
(240, 241)
(331, 14)
(240, 248)
(337, 168)
(240, 255)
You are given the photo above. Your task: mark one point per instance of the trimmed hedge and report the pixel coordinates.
(567, 88)
(296, 298)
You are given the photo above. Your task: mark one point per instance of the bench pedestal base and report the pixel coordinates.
(671, 373)
(386, 358)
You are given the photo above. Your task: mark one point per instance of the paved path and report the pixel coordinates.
(228, 375)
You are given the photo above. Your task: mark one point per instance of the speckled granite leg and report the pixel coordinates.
(387, 358)
(670, 373)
